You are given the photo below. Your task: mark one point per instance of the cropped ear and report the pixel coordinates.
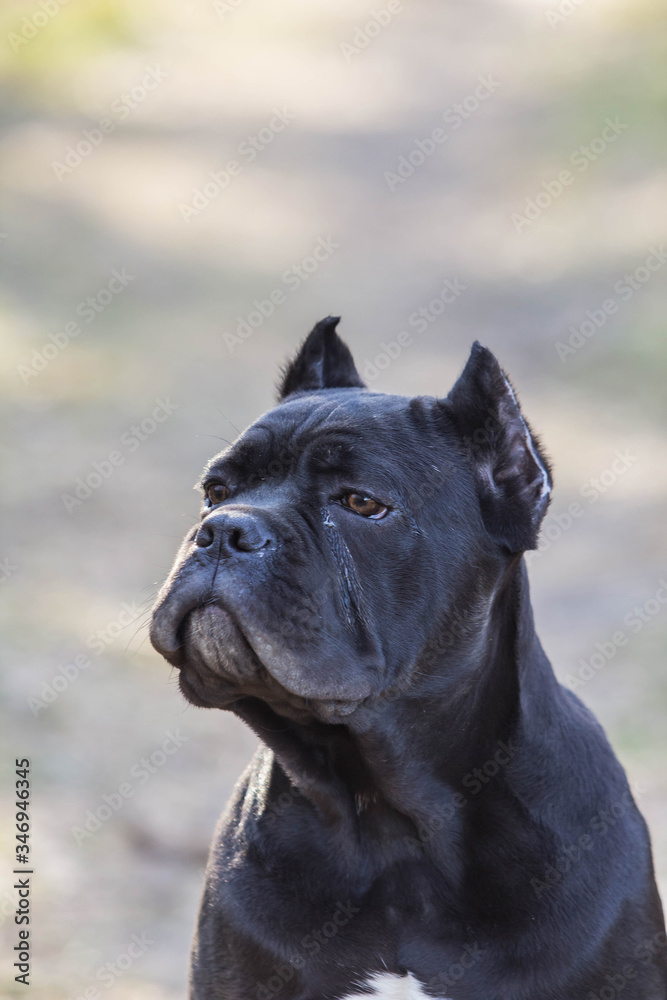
(322, 362)
(512, 475)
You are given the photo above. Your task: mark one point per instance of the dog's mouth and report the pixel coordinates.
(213, 635)
(190, 690)
(218, 666)
(230, 646)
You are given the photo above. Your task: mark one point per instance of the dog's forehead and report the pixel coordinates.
(320, 423)
(337, 410)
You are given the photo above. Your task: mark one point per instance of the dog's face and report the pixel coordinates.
(344, 533)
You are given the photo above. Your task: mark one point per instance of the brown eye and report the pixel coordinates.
(216, 493)
(363, 505)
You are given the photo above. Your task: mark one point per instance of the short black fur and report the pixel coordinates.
(427, 799)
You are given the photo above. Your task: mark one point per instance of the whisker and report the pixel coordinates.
(228, 420)
(216, 437)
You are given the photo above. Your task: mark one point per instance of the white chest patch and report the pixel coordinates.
(385, 986)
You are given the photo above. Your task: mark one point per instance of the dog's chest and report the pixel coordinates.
(386, 986)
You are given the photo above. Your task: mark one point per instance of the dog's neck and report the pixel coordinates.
(436, 753)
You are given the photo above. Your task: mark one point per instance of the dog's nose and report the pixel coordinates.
(237, 531)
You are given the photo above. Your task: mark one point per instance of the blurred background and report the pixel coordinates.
(187, 188)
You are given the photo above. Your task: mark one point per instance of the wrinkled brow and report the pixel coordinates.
(247, 454)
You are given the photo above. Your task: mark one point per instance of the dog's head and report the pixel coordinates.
(346, 533)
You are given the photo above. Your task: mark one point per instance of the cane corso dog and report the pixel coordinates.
(430, 813)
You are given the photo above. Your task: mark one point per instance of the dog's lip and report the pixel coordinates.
(189, 691)
(296, 686)
(170, 616)
(216, 608)
(194, 689)
(212, 608)
(168, 639)
(167, 622)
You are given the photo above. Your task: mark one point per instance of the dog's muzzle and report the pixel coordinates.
(229, 537)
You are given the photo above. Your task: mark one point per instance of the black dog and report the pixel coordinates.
(432, 814)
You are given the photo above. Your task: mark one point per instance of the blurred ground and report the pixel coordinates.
(115, 114)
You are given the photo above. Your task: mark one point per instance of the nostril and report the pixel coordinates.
(236, 533)
(204, 536)
(247, 539)
(236, 539)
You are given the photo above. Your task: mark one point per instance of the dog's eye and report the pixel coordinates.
(363, 505)
(216, 493)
